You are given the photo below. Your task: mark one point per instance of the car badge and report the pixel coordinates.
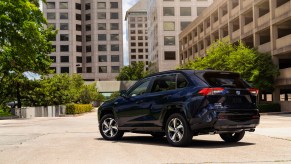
(237, 92)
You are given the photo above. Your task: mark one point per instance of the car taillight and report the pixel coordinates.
(253, 91)
(210, 91)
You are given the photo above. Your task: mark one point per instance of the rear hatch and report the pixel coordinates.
(228, 91)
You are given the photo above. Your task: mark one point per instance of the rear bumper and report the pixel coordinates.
(230, 125)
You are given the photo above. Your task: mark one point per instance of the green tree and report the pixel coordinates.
(88, 94)
(24, 43)
(134, 71)
(255, 67)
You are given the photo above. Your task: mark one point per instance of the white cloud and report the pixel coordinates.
(127, 4)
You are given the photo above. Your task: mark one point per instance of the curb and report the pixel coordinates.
(274, 113)
(9, 117)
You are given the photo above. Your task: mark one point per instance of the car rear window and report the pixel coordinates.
(224, 79)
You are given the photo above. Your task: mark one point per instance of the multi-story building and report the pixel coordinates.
(166, 19)
(136, 17)
(264, 24)
(89, 39)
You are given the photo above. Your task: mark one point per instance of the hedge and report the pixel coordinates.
(270, 107)
(78, 108)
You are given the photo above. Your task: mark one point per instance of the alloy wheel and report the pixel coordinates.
(109, 127)
(175, 130)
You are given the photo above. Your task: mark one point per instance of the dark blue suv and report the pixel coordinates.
(181, 104)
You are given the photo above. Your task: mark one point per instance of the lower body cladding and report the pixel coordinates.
(212, 121)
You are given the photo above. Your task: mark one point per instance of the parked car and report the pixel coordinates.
(181, 104)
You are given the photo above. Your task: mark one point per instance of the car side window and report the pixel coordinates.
(181, 81)
(140, 89)
(164, 83)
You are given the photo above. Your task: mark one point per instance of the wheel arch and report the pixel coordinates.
(169, 111)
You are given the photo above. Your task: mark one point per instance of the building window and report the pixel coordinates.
(170, 55)
(113, 15)
(133, 56)
(65, 59)
(102, 48)
(64, 37)
(88, 38)
(78, 17)
(133, 44)
(63, 5)
(78, 38)
(78, 27)
(51, 5)
(184, 25)
(102, 58)
(133, 50)
(64, 26)
(114, 69)
(114, 37)
(101, 5)
(114, 58)
(102, 37)
(132, 19)
(139, 37)
(87, 6)
(140, 44)
(139, 19)
(140, 56)
(64, 48)
(53, 59)
(88, 16)
(53, 69)
(139, 25)
(199, 10)
(54, 48)
(79, 59)
(113, 5)
(78, 6)
(65, 70)
(88, 48)
(64, 16)
(89, 69)
(79, 70)
(169, 40)
(101, 15)
(51, 15)
(169, 26)
(132, 31)
(169, 11)
(132, 25)
(132, 38)
(51, 25)
(101, 26)
(114, 26)
(103, 69)
(185, 11)
(88, 27)
(79, 48)
(88, 59)
(115, 47)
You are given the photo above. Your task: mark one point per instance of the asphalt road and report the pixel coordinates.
(77, 140)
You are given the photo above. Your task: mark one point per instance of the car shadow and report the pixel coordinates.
(206, 144)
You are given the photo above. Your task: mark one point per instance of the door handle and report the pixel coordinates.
(139, 101)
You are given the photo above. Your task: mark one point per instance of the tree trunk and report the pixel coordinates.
(18, 95)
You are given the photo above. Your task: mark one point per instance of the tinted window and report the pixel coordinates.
(140, 89)
(164, 83)
(181, 81)
(224, 80)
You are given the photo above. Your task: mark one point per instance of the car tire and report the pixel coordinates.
(158, 135)
(178, 132)
(232, 137)
(109, 129)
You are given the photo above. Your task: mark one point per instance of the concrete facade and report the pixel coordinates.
(264, 24)
(41, 111)
(166, 19)
(89, 39)
(136, 18)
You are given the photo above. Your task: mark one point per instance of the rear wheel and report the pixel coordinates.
(109, 129)
(232, 137)
(178, 131)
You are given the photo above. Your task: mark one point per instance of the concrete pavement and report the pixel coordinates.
(77, 140)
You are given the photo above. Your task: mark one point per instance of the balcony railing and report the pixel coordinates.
(265, 47)
(234, 11)
(264, 19)
(235, 35)
(246, 3)
(283, 42)
(215, 25)
(285, 73)
(224, 19)
(283, 9)
(247, 28)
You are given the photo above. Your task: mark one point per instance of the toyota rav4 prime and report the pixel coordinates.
(181, 104)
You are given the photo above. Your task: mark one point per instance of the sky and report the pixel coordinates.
(127, 4)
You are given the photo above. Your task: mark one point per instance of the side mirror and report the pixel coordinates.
(123, 94)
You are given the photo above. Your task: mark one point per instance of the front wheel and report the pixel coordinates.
(178, 131)
(232, 137)
(109, 129)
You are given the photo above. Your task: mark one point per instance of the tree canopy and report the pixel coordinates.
(255, 67)
(135, 71)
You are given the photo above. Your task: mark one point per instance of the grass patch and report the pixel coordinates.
(4, 114)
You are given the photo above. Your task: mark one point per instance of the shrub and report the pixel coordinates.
(78, 108)
(270, 107)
